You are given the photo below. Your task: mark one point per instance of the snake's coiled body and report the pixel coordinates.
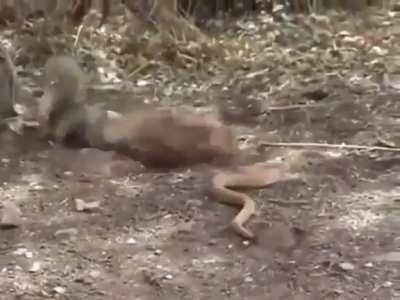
(253, 176)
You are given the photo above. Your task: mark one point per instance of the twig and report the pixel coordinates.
(286, 203)
(140, 68)
(336, 146)
(294, 106)
(188, 57)
(78, 35)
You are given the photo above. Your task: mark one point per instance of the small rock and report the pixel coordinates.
(5, 160)
(84, 280)
(35, 267)
(248, 279)
(387, 284)
(168, 276)
(59, 290)
(142, 83)
(20, 251)
(345, 266)
(86, 206)
(158, 252)
(45, 294)
(10, 216)
(194, 203)
(185, 227)
(68, 173)
(246, 243)
(67, 232)
(94, 274)
(37, 187)
(131, 241)
(338, 291)
(113, 114)
(37, 93)
(212, 242)
(369, 265)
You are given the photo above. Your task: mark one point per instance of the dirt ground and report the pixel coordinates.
(159, 235)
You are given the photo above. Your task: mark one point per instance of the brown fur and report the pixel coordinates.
(63, 96)
(170, 137)
(158, 138)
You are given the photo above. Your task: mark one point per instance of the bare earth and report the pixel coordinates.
(157, 235)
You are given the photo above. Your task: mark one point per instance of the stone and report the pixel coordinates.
(10, 216)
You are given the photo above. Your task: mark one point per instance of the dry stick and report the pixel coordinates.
(140, 68)
(78, 35)
(293, 202)
(293, 106)
(336, 146)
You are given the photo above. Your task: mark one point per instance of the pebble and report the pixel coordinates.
(20, 251)
(184, 227)
(387, 284)
(142, 83)
(131, 241)
(369, 265)
(66, 231)
(212, 242)
(194, 203)
(10, 216)
(59, 290)
(94, 274)
(86, 206)
(346, 266)
(35, 267)
(37, 188)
